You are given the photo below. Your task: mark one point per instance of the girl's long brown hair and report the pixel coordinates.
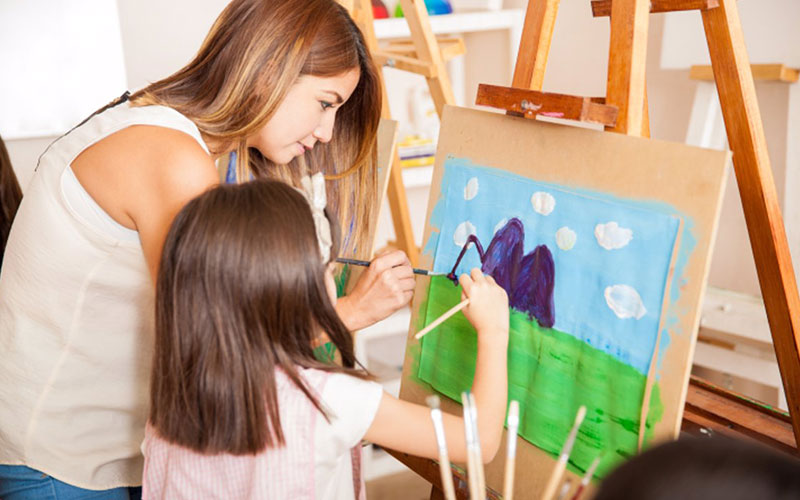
(254, 53)
(240, 294)
(10, 197)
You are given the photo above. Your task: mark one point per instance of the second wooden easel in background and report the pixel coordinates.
(624, 110)
(422, 54)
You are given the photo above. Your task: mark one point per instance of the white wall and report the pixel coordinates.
(157, 38)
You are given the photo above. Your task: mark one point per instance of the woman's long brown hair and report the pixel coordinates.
(240, 294)
(10, 197)
(255, 51)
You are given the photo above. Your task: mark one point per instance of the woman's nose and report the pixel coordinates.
(324, 132)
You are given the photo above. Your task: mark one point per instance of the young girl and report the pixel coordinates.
(290, 86)
(239, 406)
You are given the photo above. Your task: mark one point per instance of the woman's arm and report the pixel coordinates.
(407, 427)
(142, 176)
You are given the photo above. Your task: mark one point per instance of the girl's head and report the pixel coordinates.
(241, 292)
(701, 468)
(269, 81)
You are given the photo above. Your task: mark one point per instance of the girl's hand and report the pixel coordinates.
(386, 286)
(488, 304)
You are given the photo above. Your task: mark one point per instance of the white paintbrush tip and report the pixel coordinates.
(590, 471)
(513, 414)
(573, 433)
(580, 416)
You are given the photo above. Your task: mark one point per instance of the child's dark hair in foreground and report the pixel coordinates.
(717, 468)
(217, 345)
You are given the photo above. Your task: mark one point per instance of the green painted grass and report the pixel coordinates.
(551, 374)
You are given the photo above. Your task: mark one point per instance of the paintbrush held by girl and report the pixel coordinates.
(240, 407)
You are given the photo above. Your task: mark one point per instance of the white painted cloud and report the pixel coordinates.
(462, 232)
(472, 189)
(543, 203)
(500, 225)
(625, 301)
(566, 238)
(611, 237)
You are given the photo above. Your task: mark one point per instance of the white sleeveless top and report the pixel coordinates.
(76, 324)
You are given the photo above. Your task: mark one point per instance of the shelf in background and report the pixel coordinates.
(460, 22)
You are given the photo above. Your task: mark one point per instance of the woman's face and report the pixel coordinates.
(305, 116)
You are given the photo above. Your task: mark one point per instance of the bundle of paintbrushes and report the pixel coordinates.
(556, 489)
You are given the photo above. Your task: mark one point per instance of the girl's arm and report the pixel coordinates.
(408, 428)
(142, 176)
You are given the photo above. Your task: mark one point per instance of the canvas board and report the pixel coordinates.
(603, 242)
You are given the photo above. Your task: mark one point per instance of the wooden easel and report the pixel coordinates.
(624, 110)
(422, 54)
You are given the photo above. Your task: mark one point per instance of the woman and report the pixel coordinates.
(76, 293)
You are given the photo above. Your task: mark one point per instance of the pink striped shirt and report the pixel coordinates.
(320, 459)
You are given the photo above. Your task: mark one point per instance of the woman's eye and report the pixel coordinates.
(326, 104)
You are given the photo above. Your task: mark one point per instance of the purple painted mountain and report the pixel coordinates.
(528, 279)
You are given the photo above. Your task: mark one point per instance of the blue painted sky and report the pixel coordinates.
(582, 273)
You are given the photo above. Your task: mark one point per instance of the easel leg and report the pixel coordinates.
(626, 63)
(428, 50)
(757, 190)
(398, 203)
(534, 47)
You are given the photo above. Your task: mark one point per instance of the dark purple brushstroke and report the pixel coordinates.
(527, 279)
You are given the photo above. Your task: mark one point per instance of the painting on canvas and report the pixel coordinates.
(602, 264)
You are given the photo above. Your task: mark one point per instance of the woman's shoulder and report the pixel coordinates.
(158, 147)
(141, 165)
(148, 155)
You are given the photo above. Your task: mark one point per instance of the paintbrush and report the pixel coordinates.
(561, 463)
(564, 490)
(511, 450)
(469, 437)
(444, 459)
(441, 319)
(473, 408)
(587, 477)
(366, 263)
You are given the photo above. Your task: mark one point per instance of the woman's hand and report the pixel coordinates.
(386, 286)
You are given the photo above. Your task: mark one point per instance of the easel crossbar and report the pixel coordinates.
(602, 8)
(532, 103)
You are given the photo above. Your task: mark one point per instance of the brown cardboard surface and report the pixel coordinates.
(689, 178)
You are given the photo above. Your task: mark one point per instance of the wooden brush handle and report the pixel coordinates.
(441, 319)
